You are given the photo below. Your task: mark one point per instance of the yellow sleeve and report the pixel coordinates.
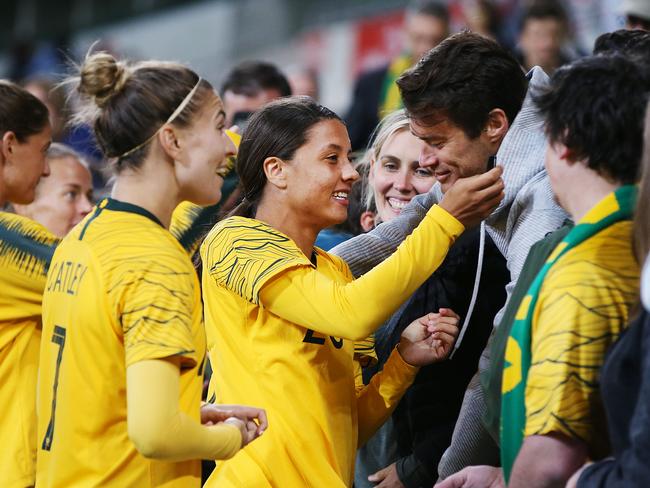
(377, 401)
(354, 310)
(156, 426)
(155, 298)
(581, 309)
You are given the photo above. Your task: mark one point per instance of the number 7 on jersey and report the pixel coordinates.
(58, 337)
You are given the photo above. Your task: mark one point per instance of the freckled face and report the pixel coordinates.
(320, 175)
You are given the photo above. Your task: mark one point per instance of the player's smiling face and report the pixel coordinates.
(206, 152)
(320, 175)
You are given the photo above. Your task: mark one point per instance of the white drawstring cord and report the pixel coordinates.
(477, 283)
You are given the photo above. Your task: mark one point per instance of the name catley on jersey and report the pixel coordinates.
(120, 289)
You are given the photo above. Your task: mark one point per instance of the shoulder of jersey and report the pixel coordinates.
(242, 233)
(115, 235)
(25, 244)
(241, 254)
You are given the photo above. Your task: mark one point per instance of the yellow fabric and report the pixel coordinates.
(582, 308)
(392, 100)
(159, 429)
(183, 220)
(24, 256)
(278, 333)
(120, 290)
(364, 351)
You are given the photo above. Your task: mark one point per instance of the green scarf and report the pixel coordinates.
(617, 206)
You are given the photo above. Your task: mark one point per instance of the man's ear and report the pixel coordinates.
(275, 170)
(497, 125)
(9, 140)
(169, 141)
(566, 154)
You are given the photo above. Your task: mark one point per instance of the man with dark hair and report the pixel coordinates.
(470, 102)
(635, 42)
(376, 95)
(542, 32)
(551, 415)
(249, 86)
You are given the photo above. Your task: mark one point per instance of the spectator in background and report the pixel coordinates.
(544, 29)
(65, 197)
(304, 81)
(637, 14)
(248, 87)
(375, 92)
(482, 17)
(79, 137)
(53, 97)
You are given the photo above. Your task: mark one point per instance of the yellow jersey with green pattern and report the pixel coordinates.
(120, 289)
(26, 249)
(582, 308)
(281, 348)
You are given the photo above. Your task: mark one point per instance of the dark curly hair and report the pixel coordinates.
(627, 42)
(595, 107)
(464, 78)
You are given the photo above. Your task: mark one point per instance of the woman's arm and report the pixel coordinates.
(353, 310)
(161, 431)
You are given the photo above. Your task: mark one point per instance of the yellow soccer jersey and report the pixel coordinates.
(120, 290)
(304, 378)
(582, 307)
(26, 249)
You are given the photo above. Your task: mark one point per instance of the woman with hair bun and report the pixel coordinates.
(123, 347)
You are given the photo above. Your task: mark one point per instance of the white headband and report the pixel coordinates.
(171, 118)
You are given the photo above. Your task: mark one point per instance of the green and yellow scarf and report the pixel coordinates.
(617, 206)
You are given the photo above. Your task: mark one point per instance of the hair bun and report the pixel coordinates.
(101, 77)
